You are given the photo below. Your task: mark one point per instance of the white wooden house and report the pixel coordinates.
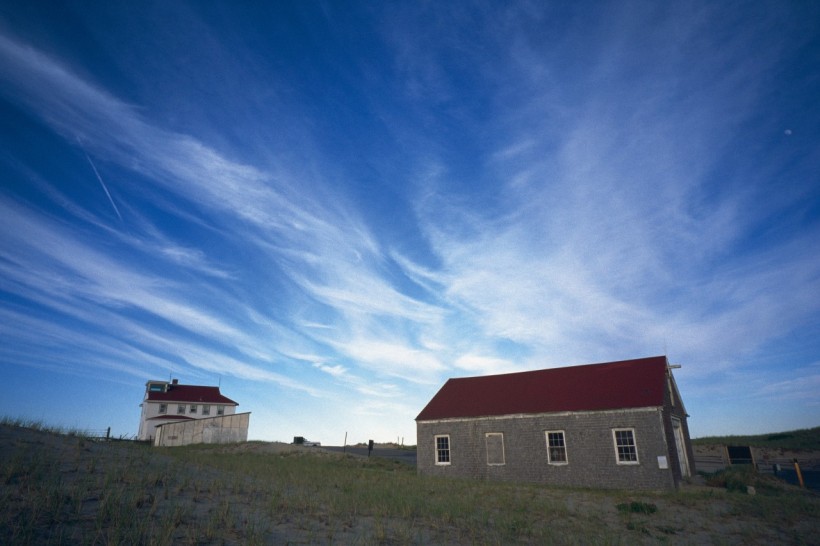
(170, 402)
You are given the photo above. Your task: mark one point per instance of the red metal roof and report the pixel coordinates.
(192, 394)
(610, 385)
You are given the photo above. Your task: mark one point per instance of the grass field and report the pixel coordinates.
(59, 488)
(804, 439)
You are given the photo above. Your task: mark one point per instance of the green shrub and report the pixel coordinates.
(636, 507)
(737, 478)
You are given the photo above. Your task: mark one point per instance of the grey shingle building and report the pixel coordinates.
(609, 425)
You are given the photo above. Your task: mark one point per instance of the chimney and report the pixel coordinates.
(174, 381)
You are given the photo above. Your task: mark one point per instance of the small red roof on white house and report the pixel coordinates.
(593, 387)
(191, 394)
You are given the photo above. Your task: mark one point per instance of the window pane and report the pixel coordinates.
(442, 449)
(557, 449)
(625, 446)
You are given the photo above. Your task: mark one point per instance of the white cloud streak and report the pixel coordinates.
(337, 258)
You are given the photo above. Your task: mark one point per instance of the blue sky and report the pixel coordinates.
(329, 208)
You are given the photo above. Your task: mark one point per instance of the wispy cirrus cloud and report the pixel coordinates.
(536, 186)
(97, 279)
(392, 355)
(337, 262)
(475, 364)
(612, 238)
(802, 389)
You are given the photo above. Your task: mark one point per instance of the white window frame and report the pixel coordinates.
(487, 447)
(438, 451)
(206, 409)
(634, 445)
(220, 410)
(181, 409)
(549, 447)
(163, 408)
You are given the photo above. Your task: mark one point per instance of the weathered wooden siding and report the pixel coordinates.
(210, 430)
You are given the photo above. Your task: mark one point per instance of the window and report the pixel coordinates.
(193, 408)
(163, 408)
(556, 447)
(495, 448)
(181, 409)
(626, 451)
(156, 387)
(220, 410)
(442, 450)
(206, 410)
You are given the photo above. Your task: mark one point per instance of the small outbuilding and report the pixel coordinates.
(609, 425)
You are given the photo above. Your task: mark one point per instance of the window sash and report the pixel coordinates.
(442, 449)
(556, 447)
(626, 448)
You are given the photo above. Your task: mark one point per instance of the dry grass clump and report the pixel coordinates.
(61, 489)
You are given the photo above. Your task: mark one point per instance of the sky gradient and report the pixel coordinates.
(329, 208)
